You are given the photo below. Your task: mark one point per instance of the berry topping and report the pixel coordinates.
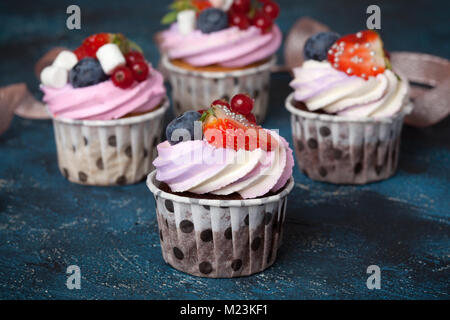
(122, 77)
(241, 6)
(317, 46)
(271, 9)
(133, 56)
(242, 103)
(86, 72)
(262, 21)
(185, 123)
(221, 102)
(360, 54)
(140, 70)
(212, 20)
(81, 53)
(239, 20)
(201, 5)
(94, 42)
(224, 128)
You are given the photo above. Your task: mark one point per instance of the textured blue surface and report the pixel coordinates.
(332, 234)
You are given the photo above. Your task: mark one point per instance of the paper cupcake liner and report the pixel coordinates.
(346, 151)
(219, 238)
(112, 152)
(195, 90)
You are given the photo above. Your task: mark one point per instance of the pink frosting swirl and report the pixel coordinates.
(230, 47)
(198, 167)
(105, 101)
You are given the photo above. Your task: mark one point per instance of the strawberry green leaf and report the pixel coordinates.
(169, 17)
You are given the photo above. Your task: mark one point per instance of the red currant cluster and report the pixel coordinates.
(243, 15)
(135, 69)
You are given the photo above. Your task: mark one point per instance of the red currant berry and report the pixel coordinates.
(250, 117)
(221, 102)
(140, 70)
(241, 103)
(272, 9)
(241, 6)
(239, 20)
(122, 77)
(133, 56)
(201, 111)
(263, 22)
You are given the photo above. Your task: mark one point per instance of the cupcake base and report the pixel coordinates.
(345, 151)
(105, 153)
(194, 89)
(218, 238)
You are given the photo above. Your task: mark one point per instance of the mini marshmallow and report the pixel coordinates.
(110, 57)
(186, 21)
(54, 77)
(65, 60)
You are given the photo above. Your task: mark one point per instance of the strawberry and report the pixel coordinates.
(201, 5)
(225, 129)
(360, 54)
(81, 53)
(94, 42)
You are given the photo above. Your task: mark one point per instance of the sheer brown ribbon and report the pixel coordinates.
(429, 76)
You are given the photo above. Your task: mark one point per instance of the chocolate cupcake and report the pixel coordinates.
(221, 207)
(347, 110)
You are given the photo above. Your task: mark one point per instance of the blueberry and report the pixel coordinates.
(316, 47)
(185, 121)
(86, 72)
(212, 20)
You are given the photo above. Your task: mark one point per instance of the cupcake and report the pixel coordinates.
(218, 49)
(107, 104)
(347, 110)
(221, 196)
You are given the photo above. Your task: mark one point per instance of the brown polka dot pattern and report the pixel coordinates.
(82, 176)
(112, 141)
(346, 152)
(121, 180)
(186, 226)
(205, 267)
(103, 153)
(225, 252)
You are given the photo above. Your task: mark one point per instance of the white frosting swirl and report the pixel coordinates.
(322, 87)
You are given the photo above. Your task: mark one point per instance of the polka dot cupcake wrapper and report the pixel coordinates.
(196, 90)
(105, 153)
(219, 239)
(346, 151)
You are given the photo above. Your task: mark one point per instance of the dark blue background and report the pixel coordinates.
(332, 234)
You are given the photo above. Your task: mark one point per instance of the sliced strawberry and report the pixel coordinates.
(225, 129)
(360, 54)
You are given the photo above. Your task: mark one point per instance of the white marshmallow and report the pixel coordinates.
(110, 57)
(186, 21)
(66, 60)
(54, 77)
